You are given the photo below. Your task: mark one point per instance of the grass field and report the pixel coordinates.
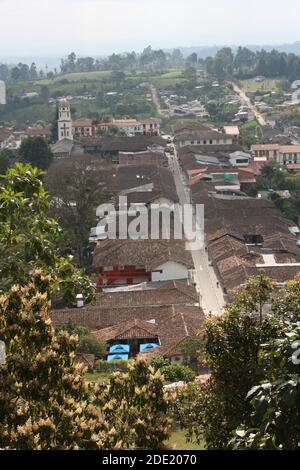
(79, 76)
(266, 86)
(178, 442)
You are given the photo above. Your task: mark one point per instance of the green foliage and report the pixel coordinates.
(177, 373)
(159, 362)
(253, 392)
(231, 352)
(36, 151)
(250, 134)
(87, 343)
(7, 158)
(272, 177)
(77, 187)
(275, 421)
(29, 238)
(45, 401)
(115, 366)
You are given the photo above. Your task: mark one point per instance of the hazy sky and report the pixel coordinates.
(98, 27)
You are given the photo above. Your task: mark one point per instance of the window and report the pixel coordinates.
(253, 239)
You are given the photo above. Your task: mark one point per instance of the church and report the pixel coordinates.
(64, 146)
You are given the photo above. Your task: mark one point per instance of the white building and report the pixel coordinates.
(288, 154)
(2, 92)
(240, 159)
(64, 120)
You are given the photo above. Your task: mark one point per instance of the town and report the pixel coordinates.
(176, 334)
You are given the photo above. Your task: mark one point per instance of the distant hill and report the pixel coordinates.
(203, 51)
(206, 51)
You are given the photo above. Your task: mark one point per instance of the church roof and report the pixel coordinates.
(63, 103)
(63, 146)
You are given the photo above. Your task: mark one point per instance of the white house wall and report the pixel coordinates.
(171, 271)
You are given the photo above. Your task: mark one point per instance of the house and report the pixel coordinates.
(270, 151)
(232, 131)
(293, 168)
(126, 339)
(162, 314)
(202, 136)
(44, 132)
(282, 154)
(143, 158)
(6, 138)
(132, 127)
(247, 237)
(146, 301)
(83, 128)
(172, 334)
(151, 339)
(111, 147)
(239, 159)
(129, 262)
(150, 127)
(288, 154)
(144, 184)
(195, 157)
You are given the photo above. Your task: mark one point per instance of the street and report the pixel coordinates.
(211, 295)
(249, 103)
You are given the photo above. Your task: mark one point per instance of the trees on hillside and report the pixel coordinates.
(37, 152)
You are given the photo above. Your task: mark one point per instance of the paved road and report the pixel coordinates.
(211, 296)
(249, 103)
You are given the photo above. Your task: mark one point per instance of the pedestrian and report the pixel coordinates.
(218, 284)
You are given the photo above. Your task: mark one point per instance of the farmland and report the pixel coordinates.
(265, 86)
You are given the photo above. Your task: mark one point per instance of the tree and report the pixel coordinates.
(87, 343)
(33, 72)
(250, 134)
(77, 187)
(7, 157)
(244, 58)
(231, 351)
(29, 238)
(45, 401)
(275, 421)
(191, 348)
(177, 373)
(37, 152)
(272, 177)
(45, 94)
(275, 400)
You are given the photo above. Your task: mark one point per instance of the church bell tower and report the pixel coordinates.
(64, 120)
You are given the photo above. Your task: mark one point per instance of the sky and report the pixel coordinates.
(100, 27)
